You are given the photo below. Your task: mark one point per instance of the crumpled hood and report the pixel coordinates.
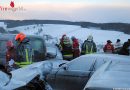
(22, 76)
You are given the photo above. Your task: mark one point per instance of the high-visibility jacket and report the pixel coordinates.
(88, 47)
(108, 48)
(25, 55)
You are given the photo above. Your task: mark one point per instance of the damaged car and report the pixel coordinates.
(31, 77)
(75, 74)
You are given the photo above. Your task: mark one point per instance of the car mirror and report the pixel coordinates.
(50, 55)
(61, 64)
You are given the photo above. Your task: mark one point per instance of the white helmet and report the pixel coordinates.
(90, 38)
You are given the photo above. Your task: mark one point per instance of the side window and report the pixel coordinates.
(37, 45)
(82, 64)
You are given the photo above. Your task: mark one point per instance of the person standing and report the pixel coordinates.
(118, 43)
(24, 50)
(117, 46)
(66, 48)
(10, 56)
(88, 46)
(75, 47)
(108, 48)
(125, 50)
(61, 40)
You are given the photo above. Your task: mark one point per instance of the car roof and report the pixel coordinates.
(101, 57)
(111, 75)
(12, 36)
(7, 36)
(111, 56)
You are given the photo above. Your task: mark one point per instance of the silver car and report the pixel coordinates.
(111, 76)
(75, 74)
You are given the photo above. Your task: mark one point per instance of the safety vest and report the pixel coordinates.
(27, 55)
(87, 50)
(68, 56)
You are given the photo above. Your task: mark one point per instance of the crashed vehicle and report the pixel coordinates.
(31, 77)
(36, 45)
(110, 76)
(75, 74)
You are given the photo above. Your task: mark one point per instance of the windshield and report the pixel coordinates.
(37, 44)
(38, 49)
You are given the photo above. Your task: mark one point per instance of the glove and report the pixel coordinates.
(11, 62)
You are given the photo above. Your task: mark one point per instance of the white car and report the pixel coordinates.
(75, 74)
(110, 76)
(32, 74)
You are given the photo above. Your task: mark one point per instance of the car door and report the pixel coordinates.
(74, 75)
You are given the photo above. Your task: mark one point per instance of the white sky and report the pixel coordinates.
(71, 10)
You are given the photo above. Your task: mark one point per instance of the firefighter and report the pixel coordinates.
(88, 46)
(10, 56)
(75, 47)
(23, 50)
(66, 48)
(108, 48)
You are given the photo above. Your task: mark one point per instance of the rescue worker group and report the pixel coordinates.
(69, 47)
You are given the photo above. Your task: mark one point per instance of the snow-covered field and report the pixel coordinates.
(55, 30)
(3, 25)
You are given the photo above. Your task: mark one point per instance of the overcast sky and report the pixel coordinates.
(71, 10)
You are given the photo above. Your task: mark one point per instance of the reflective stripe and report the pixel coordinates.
(86, 49)
(26, 53)
(91, 50)
(28, 60)
(22, 64)
(68, 55)
(28, 56)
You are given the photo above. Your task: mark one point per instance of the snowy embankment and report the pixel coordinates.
(54, 30)
(3, 25)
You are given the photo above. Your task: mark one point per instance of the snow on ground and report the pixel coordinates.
(55, 30)
(3, 25)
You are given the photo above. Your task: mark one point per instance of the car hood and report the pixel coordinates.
(23, 76)
(20, 78)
